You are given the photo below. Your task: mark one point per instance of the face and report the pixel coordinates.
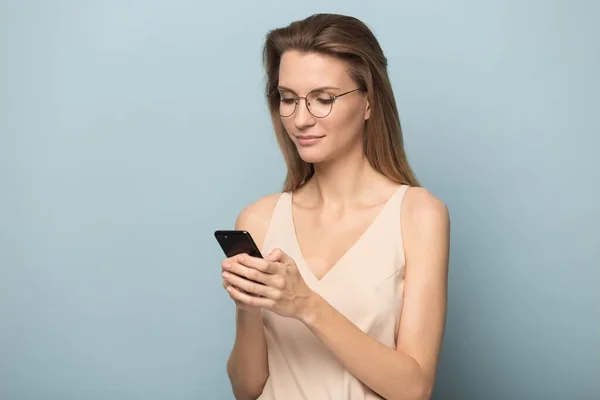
(341, 131)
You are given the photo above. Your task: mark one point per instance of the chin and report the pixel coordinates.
(312, 155)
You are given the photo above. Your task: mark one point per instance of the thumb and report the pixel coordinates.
(270, 257)
(280, 256)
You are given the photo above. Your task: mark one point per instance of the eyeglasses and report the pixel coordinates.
(318, 102)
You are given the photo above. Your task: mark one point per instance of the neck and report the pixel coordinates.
(344, 179)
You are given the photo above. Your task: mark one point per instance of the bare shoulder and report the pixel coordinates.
(423, 213)
(425, 227)
(255, 218)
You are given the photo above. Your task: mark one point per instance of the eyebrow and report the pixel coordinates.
(319, 88)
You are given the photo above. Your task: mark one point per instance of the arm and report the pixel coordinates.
(407, 372)
(247, 366)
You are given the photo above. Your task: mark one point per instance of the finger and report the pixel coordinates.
(263, 265)
(229, 260)
(279, 255)
(270, 257)
(276, 282)
(249, 273)
(226, 284)
(246, 286)
(249, 299)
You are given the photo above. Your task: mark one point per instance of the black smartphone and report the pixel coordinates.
(235, 242)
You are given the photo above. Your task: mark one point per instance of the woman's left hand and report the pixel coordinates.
(278, 285)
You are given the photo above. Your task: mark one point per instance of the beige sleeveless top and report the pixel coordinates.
(365, 285)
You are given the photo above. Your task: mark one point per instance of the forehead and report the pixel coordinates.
(303, 72)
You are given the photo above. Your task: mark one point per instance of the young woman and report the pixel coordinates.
(351, 296)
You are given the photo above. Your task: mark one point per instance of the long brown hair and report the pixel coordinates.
(350, 40)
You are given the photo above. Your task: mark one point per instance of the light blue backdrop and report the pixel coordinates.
(131, 130)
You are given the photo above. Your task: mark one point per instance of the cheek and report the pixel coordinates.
(288, 124)
(345, 126)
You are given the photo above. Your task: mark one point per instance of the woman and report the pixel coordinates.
(351, 296)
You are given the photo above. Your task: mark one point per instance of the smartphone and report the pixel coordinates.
(235, 242)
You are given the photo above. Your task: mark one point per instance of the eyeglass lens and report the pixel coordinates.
(319, 103)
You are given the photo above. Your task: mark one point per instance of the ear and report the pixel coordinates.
(367, 109)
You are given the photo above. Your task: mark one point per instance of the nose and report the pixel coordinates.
(303, 117)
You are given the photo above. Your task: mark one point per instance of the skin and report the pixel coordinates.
(331, 211)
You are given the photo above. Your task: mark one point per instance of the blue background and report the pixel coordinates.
(130, 131)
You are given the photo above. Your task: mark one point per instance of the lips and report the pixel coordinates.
(307, 137)
(307, 140)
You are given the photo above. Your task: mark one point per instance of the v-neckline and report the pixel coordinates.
(301, 261)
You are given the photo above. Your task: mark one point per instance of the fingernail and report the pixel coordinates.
(225, 275)
(226, 265)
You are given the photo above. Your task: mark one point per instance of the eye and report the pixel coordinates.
(325, 101)
(322, 98)
(286, 98)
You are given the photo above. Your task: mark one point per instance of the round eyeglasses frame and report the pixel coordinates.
(334, 97)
